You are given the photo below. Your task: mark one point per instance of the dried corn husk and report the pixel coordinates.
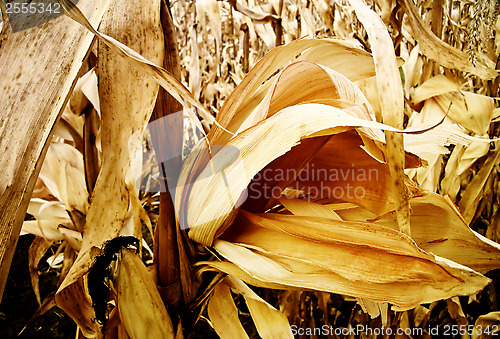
(270, 322)
(312, 259)
(224, 314)
(141, 308)
(447, 235)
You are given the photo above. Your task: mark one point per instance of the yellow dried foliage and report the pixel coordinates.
(311, 118)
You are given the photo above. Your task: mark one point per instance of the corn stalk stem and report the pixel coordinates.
(167, 138)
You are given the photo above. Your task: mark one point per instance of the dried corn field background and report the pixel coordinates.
(250, 239)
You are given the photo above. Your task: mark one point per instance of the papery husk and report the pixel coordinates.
(357, 259)
(487, 325)
(141, 308)
(470, 110)
(223, 314)
(474, 192)
(256, 147)
(63, 173)
(461, 159)
(36, 252)
(234, 271)
(440, 229)
(334, 54)
(334, 167)
(49, 215)
(270, 322)
(438, 85)
(245, 155)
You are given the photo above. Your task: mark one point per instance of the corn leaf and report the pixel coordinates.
(41, 63)
(141, 308)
